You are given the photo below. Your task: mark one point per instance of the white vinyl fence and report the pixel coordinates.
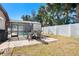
(70, 30)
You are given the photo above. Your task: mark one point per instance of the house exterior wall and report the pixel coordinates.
(2, 21)
(3, 24)
(2, 15)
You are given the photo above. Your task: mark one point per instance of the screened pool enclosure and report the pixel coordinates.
(22, 28)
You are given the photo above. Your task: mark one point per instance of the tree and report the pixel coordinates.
(56, 10)
(33, 17)
(53, 14)
(69, 9)
(59, 10)
(41, 15)
(77, 11)
(25, 17)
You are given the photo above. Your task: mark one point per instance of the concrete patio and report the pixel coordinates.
(18, 43)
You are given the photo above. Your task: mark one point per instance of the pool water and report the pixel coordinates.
(23, 33)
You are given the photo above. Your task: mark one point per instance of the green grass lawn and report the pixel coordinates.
(65, 46)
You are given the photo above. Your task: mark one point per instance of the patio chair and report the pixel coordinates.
(34, 35)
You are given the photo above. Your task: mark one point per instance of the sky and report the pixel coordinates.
(16, 10)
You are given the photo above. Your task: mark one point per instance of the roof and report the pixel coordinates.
(23, 22)
(4, 12)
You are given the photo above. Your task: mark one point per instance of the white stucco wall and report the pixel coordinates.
(75, 30)
(65, 30)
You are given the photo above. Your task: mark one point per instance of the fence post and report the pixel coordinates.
(55, 30)
(69, 29)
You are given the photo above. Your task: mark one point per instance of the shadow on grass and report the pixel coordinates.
(40, 39)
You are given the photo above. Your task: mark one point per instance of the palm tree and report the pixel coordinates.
(39, 19)
(45, 16)
(41, 15)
